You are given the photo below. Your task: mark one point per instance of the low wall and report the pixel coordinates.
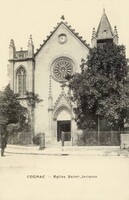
(20, 138)
(124, 141)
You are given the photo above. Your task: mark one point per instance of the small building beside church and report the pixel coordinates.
(43, 72)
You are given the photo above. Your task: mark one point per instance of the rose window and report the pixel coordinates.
(61, 68)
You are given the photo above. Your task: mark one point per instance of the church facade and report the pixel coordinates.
(43, 72)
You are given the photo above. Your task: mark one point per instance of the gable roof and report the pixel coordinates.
(70, 29)
(104, 30)
(62, 103)
(62, 100)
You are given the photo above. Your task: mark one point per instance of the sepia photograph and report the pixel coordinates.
(64, 100)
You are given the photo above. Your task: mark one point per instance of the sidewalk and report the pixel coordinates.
(68, 150)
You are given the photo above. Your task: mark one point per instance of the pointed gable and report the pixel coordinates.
(62, 100)
(69, 28)
(104, 29)
(62, 104)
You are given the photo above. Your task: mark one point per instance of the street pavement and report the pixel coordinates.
(27, 173)
(68, 150)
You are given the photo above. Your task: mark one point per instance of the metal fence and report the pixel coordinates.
(103, 138)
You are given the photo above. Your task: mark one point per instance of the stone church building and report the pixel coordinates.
(43, 72)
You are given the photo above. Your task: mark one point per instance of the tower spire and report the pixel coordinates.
(50, 97)
(50, 107)
(11, 49)
(116, 37)
(30, 47)
(50, 87)
(93, 39)
(104, 30)
(115, 30)
(30, 41)
(93, 33)
(12, 43)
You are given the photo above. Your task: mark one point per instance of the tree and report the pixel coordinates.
(32, 99)
(100, 90)
(12, 115)
(10, 108)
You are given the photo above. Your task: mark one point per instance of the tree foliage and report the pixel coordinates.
(10, 107)
(11, 111)
(101, 88)
(15, 112)
(32, 99)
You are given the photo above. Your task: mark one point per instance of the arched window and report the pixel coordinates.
(21, 80)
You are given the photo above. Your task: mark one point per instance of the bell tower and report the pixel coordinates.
(104, 32)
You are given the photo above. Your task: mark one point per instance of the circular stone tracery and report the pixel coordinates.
(61, 68)
(62, 38)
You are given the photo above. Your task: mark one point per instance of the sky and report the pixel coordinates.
(19, 19)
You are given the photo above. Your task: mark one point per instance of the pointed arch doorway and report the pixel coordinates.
(64, 124)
